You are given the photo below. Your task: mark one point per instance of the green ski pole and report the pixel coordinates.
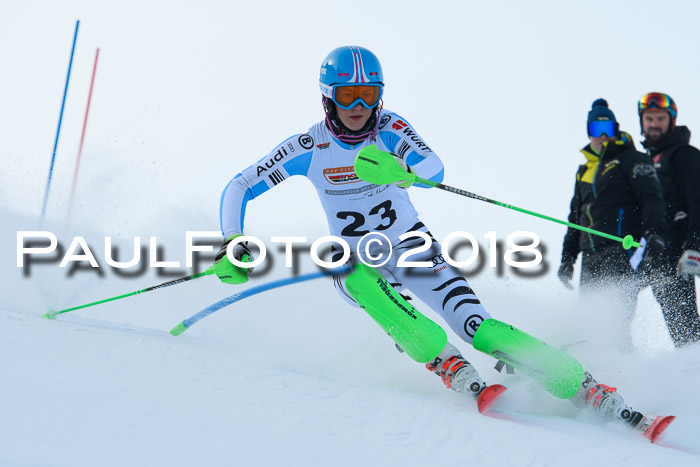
(380, 167)
(52, 314)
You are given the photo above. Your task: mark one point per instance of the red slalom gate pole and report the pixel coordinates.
(82, 136)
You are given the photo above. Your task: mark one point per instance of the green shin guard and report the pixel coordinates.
(558, 372)
(419, 337)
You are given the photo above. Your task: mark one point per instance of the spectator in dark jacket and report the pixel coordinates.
(617, 192)
(677, 164)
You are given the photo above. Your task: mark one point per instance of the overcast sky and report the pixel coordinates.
(189, 93)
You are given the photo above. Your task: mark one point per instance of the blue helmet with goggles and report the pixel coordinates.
(351, 76)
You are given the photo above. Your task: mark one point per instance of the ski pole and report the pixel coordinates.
(52, 314)
(186, 324)
(380, 167)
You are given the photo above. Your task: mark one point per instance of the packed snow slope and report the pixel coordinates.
(188, 95)
(294, 376)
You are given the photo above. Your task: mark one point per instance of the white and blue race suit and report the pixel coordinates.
(354, 208)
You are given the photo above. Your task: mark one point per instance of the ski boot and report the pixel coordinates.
(457, 373)
(604, 400)
(609, 404)
(461, 376)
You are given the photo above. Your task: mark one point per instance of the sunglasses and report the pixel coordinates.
(603, 127)
(657, 100)
(347, 97)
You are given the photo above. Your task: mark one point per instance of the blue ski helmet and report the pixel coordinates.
(350, 76)
(348, 66)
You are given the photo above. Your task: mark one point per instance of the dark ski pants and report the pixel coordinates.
(677, 298)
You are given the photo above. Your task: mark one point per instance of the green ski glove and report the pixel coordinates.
(228, 272)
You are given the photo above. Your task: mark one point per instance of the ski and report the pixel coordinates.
(653, 427)
(488, 397)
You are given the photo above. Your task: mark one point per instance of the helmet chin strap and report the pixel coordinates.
(343, 133)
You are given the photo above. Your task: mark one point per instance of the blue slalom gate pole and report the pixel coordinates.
(60, 120)
(186, 324)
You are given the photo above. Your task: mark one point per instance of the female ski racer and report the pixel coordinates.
(352, 84)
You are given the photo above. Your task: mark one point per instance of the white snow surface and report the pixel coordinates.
(186, 96)
(294, 376)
